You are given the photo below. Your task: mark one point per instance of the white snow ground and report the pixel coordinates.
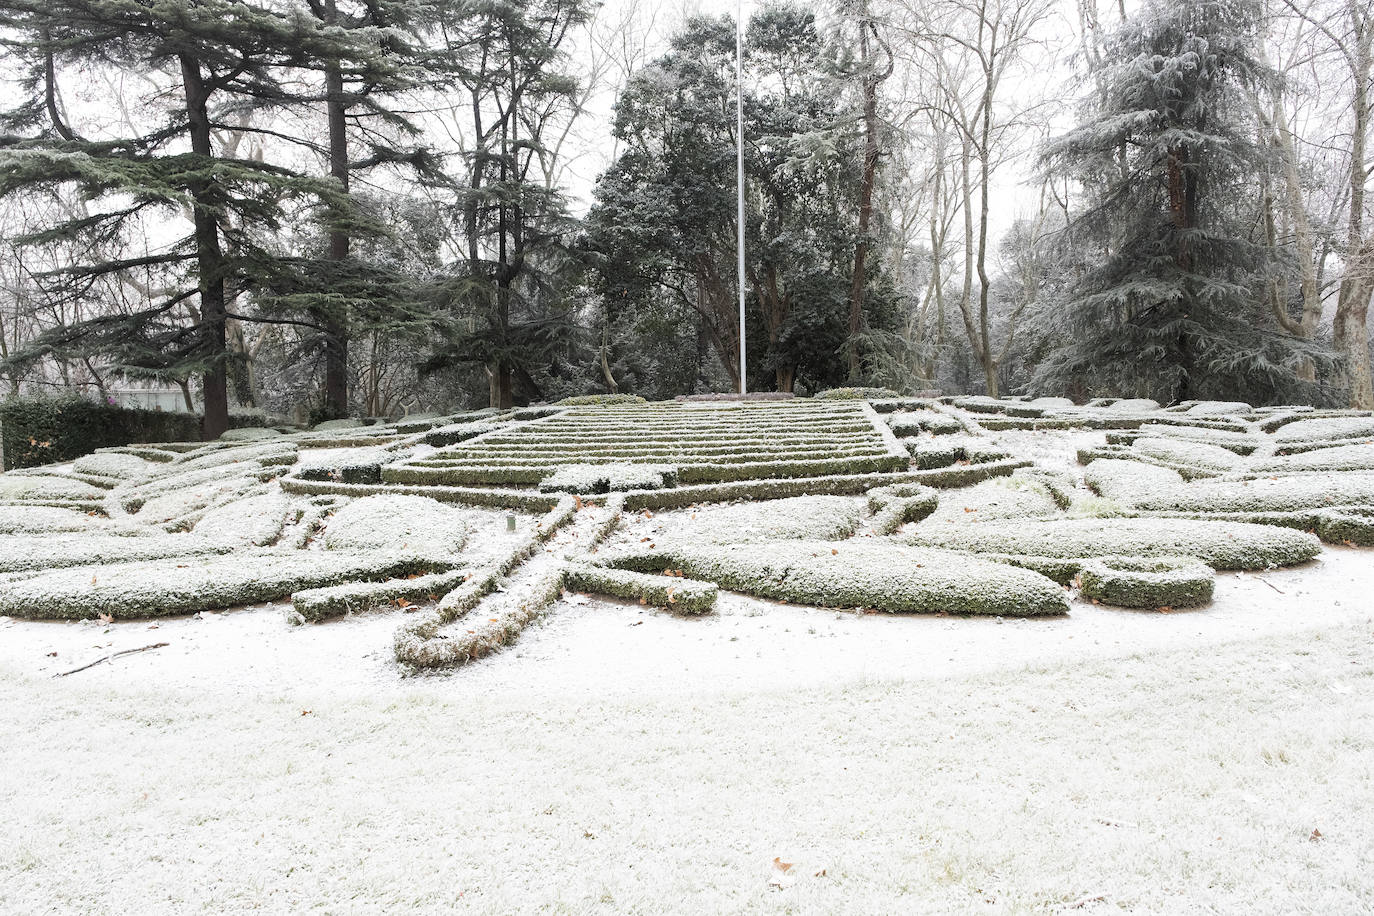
(618, 759)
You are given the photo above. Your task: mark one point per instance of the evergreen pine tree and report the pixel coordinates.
(1169, 301)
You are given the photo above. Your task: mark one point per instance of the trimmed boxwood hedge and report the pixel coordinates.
(864, 573)
(1143, 582)
(686, 596)
(355, 597)
(1222, 545)
(37, 431)
(183, 585)
(1347, 525)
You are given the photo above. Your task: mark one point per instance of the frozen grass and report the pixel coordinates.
(1175, 783)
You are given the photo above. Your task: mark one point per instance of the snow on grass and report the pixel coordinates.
(1183, 782)
(390, 523)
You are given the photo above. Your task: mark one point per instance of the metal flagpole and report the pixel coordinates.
(739, 175)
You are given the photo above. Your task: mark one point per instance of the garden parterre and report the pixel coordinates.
(471, 525)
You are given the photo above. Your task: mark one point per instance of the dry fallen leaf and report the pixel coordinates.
(106, 618)
(834, 552)
(782, 866)
(1316, 835)
(401, 602)
(306, 712)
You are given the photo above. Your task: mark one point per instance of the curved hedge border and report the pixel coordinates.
(896, 505)
(1222, 545)
(685, 596)
(355, 597)
(1347, 525)
(1142, 582)
(864, 573)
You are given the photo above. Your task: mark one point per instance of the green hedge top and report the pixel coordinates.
(49, 430)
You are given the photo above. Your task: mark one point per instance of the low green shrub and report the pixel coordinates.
(609, 478)
(1339, 458)
(397, 523)
(855, 394)
(601, 400)
(256, 520)
(1280, 494)
(1144, 582)
(526, 500)
(896, 505)
(685, 596)
(187, 584)
(1222, 545)
(1126, 480)
(1190, 453)
(1347, 525)
(356, 597)
(797, 517)
(17, 519)
(863, 573)
(48, 487)
(994, 501)
(1317, 429)
(249, 434)
(114, 464)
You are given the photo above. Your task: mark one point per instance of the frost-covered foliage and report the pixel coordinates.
(601, 400)
(926, 421)
(666, 590)
(823, 517)
(1265, 494)
(994, 501)
(608, 478)
(176, 503)
(331, 425)
(1219, 408)
(53, 488)
(399, 524)
(254, 521)
(1144, 582)
(856, 394)
(1127, 480)
(114, 464)
(356, 597)
(1347, 525)
(1240, 443)
(896, 505)
(1326, 428)
(18, 519)
(349, 465)
(249, 434)
(1336, 458)
(1195, 454)
(1222, 545)
(24, 552)
(187, 584)
(862, 573)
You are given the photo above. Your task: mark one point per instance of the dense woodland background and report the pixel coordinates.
(385, 206)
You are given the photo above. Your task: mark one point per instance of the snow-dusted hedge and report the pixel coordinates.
(397, 523)
(994, 501)
(896, 505)
(838, 485)
(614, 510)
(1240, 443)
(1110, 452)
(349, 465)
(863, 573)
(249, 434)
(1190, 453)
(856, 394)
(345, 423)
(255, 520)
(1125, 480)
(176, 502)
(1282, 494)
(1326, 428)
(187, 584)
(1222, 545)
(24, 552)
(19, 519)
(607, 478)
(601, 400)
(1339, 458)
(928, 421)
(114, 464)
(686, 596)
(1219, 408)
(356, 597)
(1347, 525)
(526, 500)
(1143, 582)
(48, 487)
(810, 517)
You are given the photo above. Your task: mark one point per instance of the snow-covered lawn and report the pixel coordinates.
(1225, 778)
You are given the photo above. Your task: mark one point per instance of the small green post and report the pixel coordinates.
(510, 522)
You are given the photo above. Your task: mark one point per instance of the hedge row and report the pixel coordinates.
(1145, 582)
(864, 573)
(356, 597)
(685, 596)
(38, 431)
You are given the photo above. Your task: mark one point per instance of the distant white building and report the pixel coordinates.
(168, 399)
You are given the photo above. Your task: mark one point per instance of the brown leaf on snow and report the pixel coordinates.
(106, 618)
(401, 602)
(1316, 835)
(782, 866)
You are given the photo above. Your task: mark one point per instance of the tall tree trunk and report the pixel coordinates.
(1350, 331)
(858, 284)
(336, 325)
(209, 255)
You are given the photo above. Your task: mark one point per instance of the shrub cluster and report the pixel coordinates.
(37, 431)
